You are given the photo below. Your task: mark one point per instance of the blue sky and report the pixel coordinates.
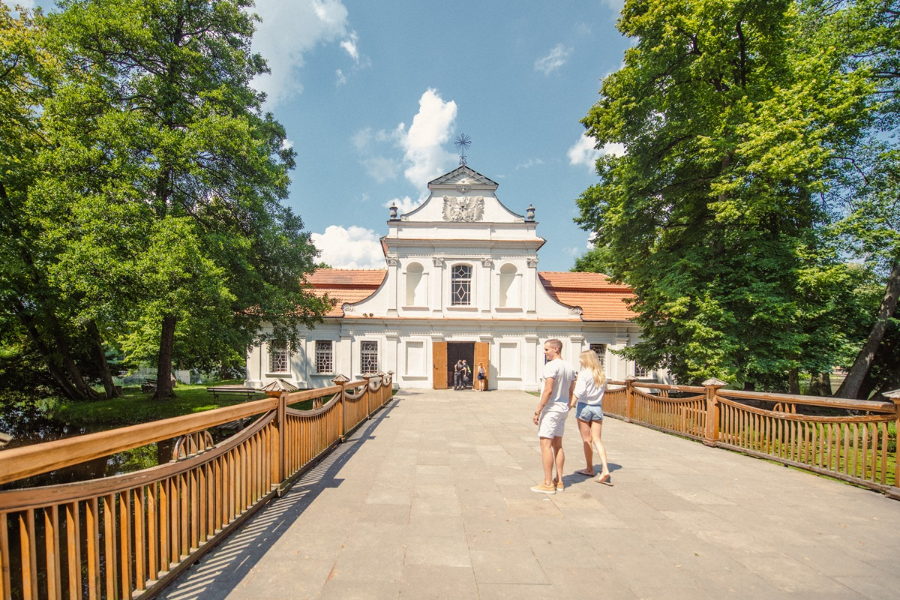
(372, 95)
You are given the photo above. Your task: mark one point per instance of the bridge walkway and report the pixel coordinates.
(431, 499)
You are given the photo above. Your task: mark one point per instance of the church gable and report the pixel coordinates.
(462, 176)
(462, 196)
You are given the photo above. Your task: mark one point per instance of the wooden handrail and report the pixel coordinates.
(850, 447)
(26, 461)
(141, 529)
(885, 407)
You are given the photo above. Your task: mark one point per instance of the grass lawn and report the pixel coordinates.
(137, 407)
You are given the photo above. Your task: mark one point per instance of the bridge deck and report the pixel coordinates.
(431, 499)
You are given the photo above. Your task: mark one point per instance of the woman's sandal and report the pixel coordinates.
(604, 479)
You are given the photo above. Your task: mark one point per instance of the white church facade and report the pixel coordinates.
(461, 281)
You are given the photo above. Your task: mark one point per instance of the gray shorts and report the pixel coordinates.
(588, 412)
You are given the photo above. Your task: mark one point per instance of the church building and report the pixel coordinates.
(461, 281)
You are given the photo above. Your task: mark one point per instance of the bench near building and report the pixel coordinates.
(461, 282)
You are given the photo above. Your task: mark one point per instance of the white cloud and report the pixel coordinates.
(584, 153)
(286, 144)
(381, 168)
(557, 58)
(289, 29)
(431, 127)
(404, 205)
(531, 162)
(613, 150)
(349, 45)
(353, 248)
(340, 78)
(424, 157)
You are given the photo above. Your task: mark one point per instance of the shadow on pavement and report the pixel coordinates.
(215, 575)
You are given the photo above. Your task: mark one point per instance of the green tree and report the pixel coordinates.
(140, 191)
(160, 189)
(34, 317)
(865, 194)
(711, 215)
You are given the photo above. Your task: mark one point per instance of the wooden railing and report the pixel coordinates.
(126, 536)
(846, 439)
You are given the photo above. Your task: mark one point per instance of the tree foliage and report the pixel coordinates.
(732, 117)
(157, 186)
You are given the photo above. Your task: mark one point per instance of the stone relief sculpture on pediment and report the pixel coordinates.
(464, 209)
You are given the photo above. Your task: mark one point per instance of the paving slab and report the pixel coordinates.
(431, 499)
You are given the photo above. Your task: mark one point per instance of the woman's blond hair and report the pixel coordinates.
(590, 361)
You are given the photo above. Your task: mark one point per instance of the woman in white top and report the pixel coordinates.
(587, 398)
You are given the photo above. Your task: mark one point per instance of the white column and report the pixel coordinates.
(392, 281)
(531, 283)
(484, 294)
(437, 301)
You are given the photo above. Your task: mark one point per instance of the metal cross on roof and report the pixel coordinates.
(462, 143)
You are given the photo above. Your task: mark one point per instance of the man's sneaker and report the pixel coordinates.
(544, 489)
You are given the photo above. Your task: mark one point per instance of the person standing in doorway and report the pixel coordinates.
(481, 378)
(587, 399)
(457, 375)
(466, 374)
(551, 413)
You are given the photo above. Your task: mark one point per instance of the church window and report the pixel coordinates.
(461, 285)
(324, 356)
(415, 285)
(600, 351)
(278, 357)
(509, 287)
(368, 357)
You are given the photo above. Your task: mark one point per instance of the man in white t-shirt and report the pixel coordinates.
(551, 413)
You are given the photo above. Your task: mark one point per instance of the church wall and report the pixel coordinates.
(405, 347)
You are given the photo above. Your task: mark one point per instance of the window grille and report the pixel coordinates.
(461, 285)
(324, 356)
(640, 371)
(278, 357)
(368, 357)
(600, 351)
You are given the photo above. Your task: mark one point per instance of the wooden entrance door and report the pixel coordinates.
(439, 356)
(483, 356)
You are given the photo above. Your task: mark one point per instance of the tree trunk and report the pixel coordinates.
(100, 356)
(850, 388)
(794, 381)
(49, 357)
(164, 367)
(820, 385)
(62, 346)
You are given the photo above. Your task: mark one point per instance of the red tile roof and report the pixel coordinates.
(598, 299)
(345, 285)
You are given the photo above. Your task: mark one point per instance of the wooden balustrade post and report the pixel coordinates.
(368, 378)
(281, 424)
(629, 397)
(712, 386)
(341, 380)
(894, 396)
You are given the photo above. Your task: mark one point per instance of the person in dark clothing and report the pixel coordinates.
(458, 375)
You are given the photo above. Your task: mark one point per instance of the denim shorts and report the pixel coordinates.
(588, 412)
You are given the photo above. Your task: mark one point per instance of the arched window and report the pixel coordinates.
(461, 285)
(509, 287)
(415, 285)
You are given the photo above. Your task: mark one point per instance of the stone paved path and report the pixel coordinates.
(431, 500)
